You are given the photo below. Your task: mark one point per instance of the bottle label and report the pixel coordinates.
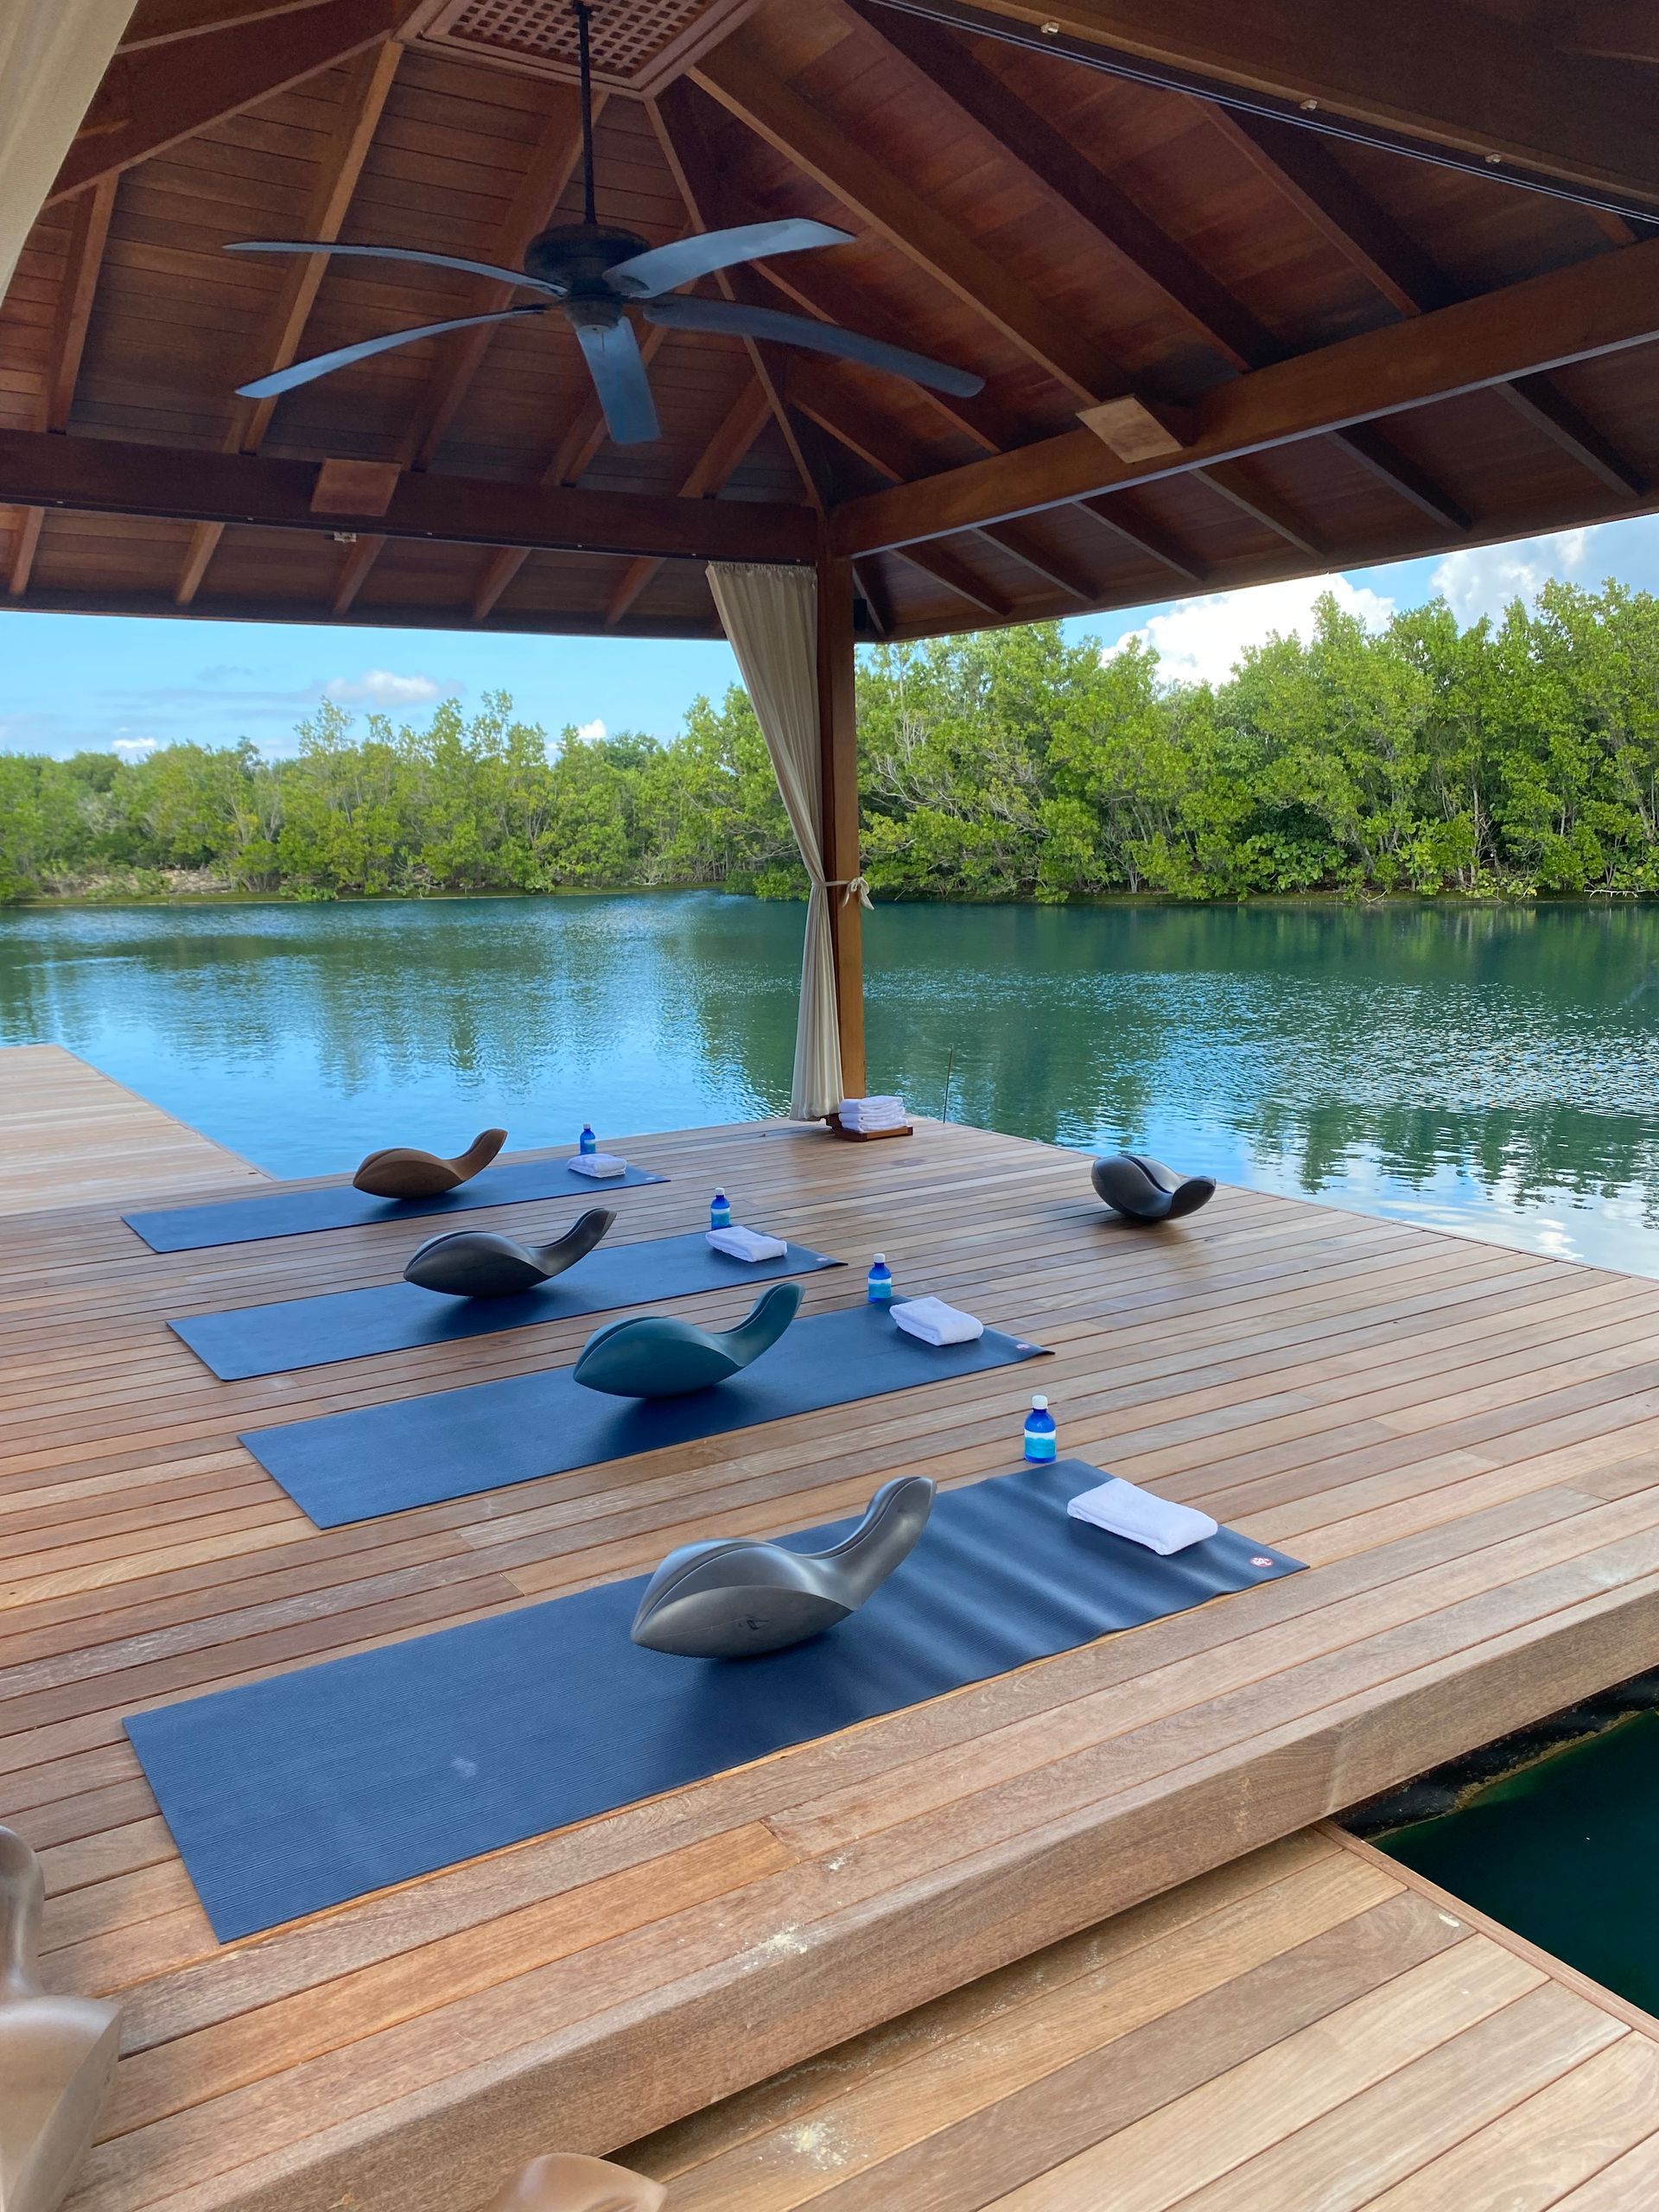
(1039, 1446)
(880, 1294)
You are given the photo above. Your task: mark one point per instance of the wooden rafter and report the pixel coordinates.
(362, 104)
(158, 23)
(694, 173)
(1389, 466)
(577, 448)
(944, 567)
(108, 476)
(1066, 175)
(83, 257)
(151, 100)
(1578, 313)
(1566, 426)
(1132, 528)
(1242, 486)
(833, 157)
(558, 149)
(1440, 72)
(718, 462)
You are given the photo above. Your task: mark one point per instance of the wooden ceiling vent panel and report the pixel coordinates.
(640, 46)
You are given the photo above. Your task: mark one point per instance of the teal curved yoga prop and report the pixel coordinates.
(483, 1263)
(653, 1356)
(735, 1599)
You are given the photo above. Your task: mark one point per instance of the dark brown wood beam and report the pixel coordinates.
(1442, 73)
(946, 567)
(104, 476)
(158, 23)
(30, 522)
(1304, 170)
(1613, 30)
(750, 89)
(1579, 312)
(1128, 523)
(558, 149)
(717, 465)
(1065, 172)
(362, 104)
(1389, 466)
(1242, 486)
(151, 100)
(1568, 427)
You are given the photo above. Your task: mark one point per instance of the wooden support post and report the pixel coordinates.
(838, 752)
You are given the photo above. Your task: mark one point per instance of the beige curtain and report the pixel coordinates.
(53, 56)
(770, 615)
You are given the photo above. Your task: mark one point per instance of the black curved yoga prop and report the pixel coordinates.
(484, 1263)
(1145, 1190)
(404, 1170)
(655, 1357)
(735, 1599)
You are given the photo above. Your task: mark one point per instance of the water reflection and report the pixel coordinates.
(1487, 1069)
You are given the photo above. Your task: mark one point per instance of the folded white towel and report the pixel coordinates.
(873, 1102)
(883, 1113)
(601, 1166)
(1126, 1509)
(935, 1323)
(742, 1244)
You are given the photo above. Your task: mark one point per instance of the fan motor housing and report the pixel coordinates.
(575, 257)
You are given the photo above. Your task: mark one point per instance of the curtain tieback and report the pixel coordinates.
(850, 888)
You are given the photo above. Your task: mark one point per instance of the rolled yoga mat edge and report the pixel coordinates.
(288, 1334)
(298, 1793)
(341, 1205)
(487, 1436)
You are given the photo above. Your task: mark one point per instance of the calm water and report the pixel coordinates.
(1490, 1069)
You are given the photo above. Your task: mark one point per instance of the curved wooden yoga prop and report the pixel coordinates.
(401, 1171)
(653, 1356)
(1145, 1190)
(56, 2053)
(567, 2183)
(483, 1263)
(736, 1598)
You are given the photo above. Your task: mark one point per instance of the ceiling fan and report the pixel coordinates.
(592, 274)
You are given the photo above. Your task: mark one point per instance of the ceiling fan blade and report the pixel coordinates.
(400, 253)
(729, 318)
(618, 374)
(665, 267)
(321, 365)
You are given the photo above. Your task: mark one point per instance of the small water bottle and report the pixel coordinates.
(1039, 1430)
(880, 1288)
(720, 1211)
(589, 1142)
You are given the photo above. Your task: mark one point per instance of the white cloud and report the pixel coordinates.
(132, 748)
(590, 731)
(1486, 578)
(1200, 640)
(379, 687)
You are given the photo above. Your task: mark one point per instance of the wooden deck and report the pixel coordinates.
(65, 1129)
(1460, 1439)
(1310, 2026)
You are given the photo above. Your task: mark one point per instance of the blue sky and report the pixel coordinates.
(74, 681)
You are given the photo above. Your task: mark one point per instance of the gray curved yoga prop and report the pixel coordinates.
(736, 1598)
(653, 1356)
(1145, 1190)
(565, 2182)
(56, 2053)
(483, 1263)
(402, 1171)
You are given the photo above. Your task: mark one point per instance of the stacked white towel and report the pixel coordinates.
(1126, 1509)
(740, 1243)
(885, 1112)
(935, 1323)
(603, 1167)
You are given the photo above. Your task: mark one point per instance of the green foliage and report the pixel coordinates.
(1512, 758)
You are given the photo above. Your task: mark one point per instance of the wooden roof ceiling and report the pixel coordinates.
(1303, 350)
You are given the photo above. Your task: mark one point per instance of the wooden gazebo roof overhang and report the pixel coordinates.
(1256, 291)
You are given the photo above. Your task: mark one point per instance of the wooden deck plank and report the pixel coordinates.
(1465, 1440)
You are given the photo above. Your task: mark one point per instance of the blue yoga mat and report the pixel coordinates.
(298, 1213)
(288, 1796)
(454, 1443)
(401, 1316)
